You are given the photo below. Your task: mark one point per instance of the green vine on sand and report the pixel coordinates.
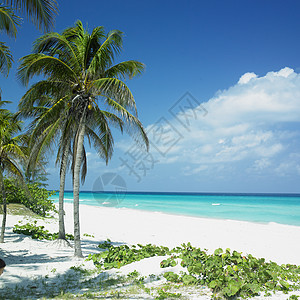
(38, 232)
(229, 274)
(116, 257)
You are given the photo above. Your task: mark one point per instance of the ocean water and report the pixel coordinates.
(262, 208)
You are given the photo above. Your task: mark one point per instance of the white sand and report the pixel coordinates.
(29, 259)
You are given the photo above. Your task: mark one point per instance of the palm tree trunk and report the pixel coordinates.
(4, 209)
(76, 185)
(61, 212)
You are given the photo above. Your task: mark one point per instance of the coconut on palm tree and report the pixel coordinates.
(87, 86)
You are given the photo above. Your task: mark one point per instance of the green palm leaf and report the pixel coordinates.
(37, 64)
(41, 12)
(105, 55)
(6, 59)
(125, 69)
(8, 21)
(53, 43)
(116, 89)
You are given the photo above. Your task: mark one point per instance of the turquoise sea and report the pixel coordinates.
(263, 208)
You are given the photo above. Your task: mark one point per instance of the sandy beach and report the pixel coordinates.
(30, 260)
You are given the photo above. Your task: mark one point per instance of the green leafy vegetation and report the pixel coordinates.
(88, 235)
(34, 197)
(169, 262)
(227, 273)
(38, 232)
(230, 274)
(116, 257)
(294, 297)
(162, 294)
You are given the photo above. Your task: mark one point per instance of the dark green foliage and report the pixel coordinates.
(117, 257)
(34, 196)
(105, 245)
(38, 232)
(230, 274)
(171, 276)
(169, 262)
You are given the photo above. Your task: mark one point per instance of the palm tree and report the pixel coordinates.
(10, 154)
(78, 67)
(41, 14)
(42, 137)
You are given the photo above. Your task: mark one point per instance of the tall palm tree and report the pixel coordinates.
(80, 66)
(44, 134)
(41, 14)
(10, 154)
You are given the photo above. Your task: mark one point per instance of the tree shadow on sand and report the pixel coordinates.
(73, 280)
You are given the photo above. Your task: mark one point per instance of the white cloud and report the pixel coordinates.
(94, 161)
(261, 164)
(246, 78)
(247, 122)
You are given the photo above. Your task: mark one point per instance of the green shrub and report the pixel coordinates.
(34, 196)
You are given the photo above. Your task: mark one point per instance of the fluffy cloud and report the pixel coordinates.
(255, 121)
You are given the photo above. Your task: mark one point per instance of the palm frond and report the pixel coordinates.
(106, 53)
(56, 44)
(115, 89)
(41, 64)
(133, 125)
(11, 167)
(91, 45)
(9, 21)
(40, 145)
(40, 96)
(51, 114)
(6, 59)
(40, 12)
(74, 32)
(130, 69)
(103, 143)
(13, 149)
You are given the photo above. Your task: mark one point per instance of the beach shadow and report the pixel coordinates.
(73, 280)
(24, 279)
(89, 245)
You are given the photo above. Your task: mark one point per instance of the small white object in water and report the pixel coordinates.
(136, 205)
(215, 204)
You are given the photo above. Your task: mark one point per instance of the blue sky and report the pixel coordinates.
(220, 96)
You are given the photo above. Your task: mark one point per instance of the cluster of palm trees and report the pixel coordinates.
(81, 97)
(12, 143)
